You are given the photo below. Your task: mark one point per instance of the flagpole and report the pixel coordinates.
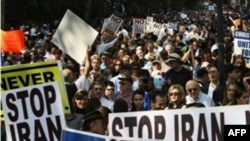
(220, 20)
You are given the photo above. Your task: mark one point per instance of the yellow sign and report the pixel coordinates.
(19, 76)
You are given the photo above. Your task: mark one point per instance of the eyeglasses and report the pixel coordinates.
(104, 58)
(192, 89)
(174, 94)
(118, 64)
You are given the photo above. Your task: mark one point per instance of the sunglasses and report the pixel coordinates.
(192, 89)
(118, 64)
(174, 94)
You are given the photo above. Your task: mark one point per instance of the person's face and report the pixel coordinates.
(173, 64)
(104, 59)
(118, 65)
(125, 60)
(195, 45)
(150, 47)
(246, 84)
(97, 91)
(81, 102)
(235, 74)
(174, 95)
(159, 103)
(95, 64)
(207, 57)
(243, 99)
(238, 62)
(140, 54)
(192, 89)
(231, 91)
(121, 53)
(124, 85)
(169, 49)
(98, 127)
(138, 101)
(213, 74)
(109, 91)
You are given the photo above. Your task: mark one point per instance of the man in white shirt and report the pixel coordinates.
(196, 96)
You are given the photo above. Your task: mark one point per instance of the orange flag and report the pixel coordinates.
(12, 41)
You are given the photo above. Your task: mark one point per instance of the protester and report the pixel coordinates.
(196, 96)
(98, 91)
(176, 97)
(120, 105)
(138, 100)
(126, 91)
(158, 100)
(79, 101)
(228, 94)
(177, 74)
(94, 122)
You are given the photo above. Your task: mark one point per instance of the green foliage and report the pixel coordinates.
(18, 12)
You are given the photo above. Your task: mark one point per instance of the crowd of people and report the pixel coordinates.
(145, 72)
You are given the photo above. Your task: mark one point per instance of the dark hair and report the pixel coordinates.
(156, 93)
(80, 94)
(90, 117)
(120, 105)
(140, 92)
(109, 83)
(238, 93)
(93, 104)
(195, 105)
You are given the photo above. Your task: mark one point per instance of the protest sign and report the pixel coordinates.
(12, 41)
(183, 124)
(18, 76)
(73, 36)
(33, 113)
(242, 44)
(139, 26)
(111, 25)
(150, 22)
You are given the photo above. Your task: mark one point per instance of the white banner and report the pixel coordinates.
(178, 125)
(33, 113)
